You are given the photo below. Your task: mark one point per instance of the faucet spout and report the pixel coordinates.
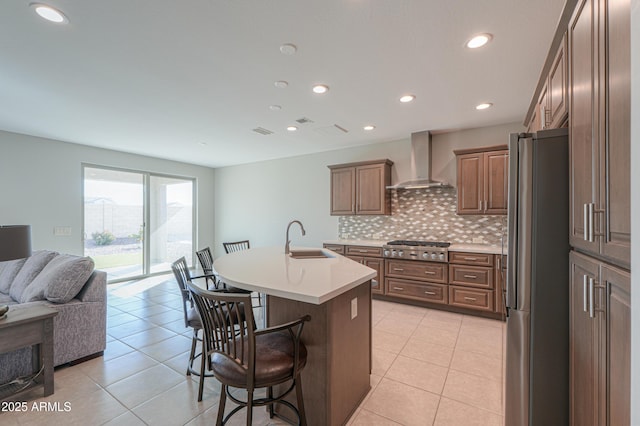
(288, 241)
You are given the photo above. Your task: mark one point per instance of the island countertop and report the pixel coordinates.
(268, 270)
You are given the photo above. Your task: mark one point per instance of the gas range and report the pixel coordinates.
(431, 251)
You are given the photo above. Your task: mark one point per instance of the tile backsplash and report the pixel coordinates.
(424, 214)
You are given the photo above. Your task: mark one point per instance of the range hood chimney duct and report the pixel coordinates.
(420, 164)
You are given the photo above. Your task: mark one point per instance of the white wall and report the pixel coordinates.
(256, 201)
(41, 185)
(444, 161)
(635, 212)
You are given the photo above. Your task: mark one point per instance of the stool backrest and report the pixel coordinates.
(236, 246)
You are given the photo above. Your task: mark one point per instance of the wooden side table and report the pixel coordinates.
(30, 327)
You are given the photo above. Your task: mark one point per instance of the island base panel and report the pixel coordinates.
(336, 377)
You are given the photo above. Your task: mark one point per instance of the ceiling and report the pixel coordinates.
(189, 80)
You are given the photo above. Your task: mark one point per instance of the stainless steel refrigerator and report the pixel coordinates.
(537, 290)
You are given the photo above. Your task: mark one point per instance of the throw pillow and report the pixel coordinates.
(8, 274)
(62, 279)
(32, 267)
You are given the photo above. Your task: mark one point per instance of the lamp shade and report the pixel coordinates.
(15, 242)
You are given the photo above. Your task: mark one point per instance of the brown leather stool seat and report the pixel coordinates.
(274, 362)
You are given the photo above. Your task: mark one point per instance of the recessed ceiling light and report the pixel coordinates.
(484, 106)
(407, 98)
(320, 89)
(203, 143)
(49, 13)
(288, 49)
(275, 107)
(281, 84)
(292, 128)
(369, 127)
(479, 40)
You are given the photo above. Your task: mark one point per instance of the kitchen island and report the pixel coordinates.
(336, 292)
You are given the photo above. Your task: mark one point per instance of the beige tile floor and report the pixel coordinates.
(429, 368)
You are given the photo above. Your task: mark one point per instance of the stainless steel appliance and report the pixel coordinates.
(537, 290)
(432, 251)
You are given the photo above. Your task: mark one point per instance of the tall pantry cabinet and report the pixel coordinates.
(600, 232)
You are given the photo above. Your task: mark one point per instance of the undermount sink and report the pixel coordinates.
(309, 254)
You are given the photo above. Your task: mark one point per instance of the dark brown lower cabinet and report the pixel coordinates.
(373, 263)
(600, 343)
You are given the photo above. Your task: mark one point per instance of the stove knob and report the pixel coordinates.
(434, 256)
(400, 253)
(386, 253)
(425, 255)
(393, 253)
(441, 256)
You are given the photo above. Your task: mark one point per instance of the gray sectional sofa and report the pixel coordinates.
(68, 284)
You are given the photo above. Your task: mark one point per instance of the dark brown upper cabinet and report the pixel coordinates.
(482, 180)
(600, 111)
(361, 188)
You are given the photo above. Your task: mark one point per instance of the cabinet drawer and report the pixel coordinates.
(364, 251)
(473, 276)
(334, 247)
(478, 259)
(435, 293)
(423, 271)
(471, 298)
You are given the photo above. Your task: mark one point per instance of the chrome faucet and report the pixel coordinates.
(288, 241)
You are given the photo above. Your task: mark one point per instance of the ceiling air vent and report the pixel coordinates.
(263, 131)
(304, 120)
(334, 130)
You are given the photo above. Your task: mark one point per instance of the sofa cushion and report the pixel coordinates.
(61, 280)
(32, 267)
(8, 274)
(5, 299)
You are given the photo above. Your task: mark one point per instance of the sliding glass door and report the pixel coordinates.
(170, 221)
(136, 223)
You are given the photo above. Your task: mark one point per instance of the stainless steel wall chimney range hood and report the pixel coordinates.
(420, 164)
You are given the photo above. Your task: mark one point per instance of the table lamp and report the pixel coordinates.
(15, 242)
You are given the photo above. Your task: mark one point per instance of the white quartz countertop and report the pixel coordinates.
(368, 243)
(268, 270)
(478, 248)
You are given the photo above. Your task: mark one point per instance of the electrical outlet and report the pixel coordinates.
(62, 231)
(354, 307)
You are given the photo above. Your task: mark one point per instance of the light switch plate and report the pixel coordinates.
(354, 307)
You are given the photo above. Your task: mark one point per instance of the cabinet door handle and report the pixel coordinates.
(429, 272)
(472, 299)
(585, 224)
(471, 276)
(590, 208)
(398, 269)
(470, 258)
(398, 288)
(430, 293)
(591, 311)
(584, 293)
(363, 251)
